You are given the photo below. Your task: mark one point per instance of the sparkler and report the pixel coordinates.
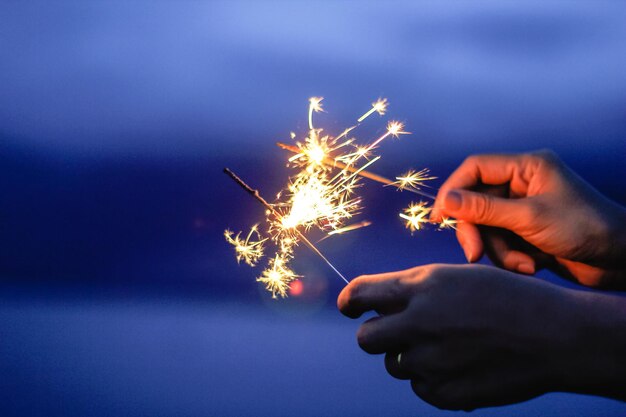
(350, 227)
(322, 195)
(278, 270)
(411, 181)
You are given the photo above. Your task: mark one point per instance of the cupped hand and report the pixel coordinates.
(468, 336)
(530, 211)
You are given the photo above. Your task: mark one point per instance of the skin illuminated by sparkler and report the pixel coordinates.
(249, 250)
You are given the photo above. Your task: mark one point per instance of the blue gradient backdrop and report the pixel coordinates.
(118, 295)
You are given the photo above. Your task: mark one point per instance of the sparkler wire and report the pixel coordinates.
(258, 197)
(366, 174)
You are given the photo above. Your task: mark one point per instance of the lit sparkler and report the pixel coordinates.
(322, 195)
(286, 239)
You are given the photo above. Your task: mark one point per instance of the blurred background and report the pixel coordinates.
(118, 293)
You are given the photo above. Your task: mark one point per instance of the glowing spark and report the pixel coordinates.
(415, 216)
(447, 223)
(395, 129)
(315, 105)
(380, 106)
(248, 250)
(351, 227)
(277, 276)
(310, 201)
(360, 152)
(412, 180)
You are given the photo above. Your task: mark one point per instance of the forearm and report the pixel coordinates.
(618, 241)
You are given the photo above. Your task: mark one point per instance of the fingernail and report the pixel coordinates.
(469, 256)
(526, 268)
(453, 200)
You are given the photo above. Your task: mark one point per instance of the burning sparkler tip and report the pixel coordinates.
(316, 197)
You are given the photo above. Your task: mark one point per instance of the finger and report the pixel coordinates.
(484, 209)
(499, 246)
(383, 292)
(589, 275)
(470, 240)
(394, 366)
(383, 334)
(433, 360)
(428, 393)
(485, 169)
(488, 169)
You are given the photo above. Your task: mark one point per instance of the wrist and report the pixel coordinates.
(593, 358)
(616, 239)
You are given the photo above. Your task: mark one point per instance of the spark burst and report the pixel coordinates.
(277, 276)
(248, 250)
(412, 180)
(416, 215)
(322, 195)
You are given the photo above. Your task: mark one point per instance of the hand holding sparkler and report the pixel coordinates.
(571, 227)
(470, 336)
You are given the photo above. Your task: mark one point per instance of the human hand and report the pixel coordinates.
(556, 218)
(475, 336)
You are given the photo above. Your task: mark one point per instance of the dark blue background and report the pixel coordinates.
(118, 295)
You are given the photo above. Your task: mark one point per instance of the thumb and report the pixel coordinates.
(479, 208)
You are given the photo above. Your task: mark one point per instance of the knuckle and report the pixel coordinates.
(431, 393)
(401, 285)
(364, 337)
(534, 209)
(470, 161)
(392, 367)
(419, 388)
(432, 272)
(547, 157)
(453, 398)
